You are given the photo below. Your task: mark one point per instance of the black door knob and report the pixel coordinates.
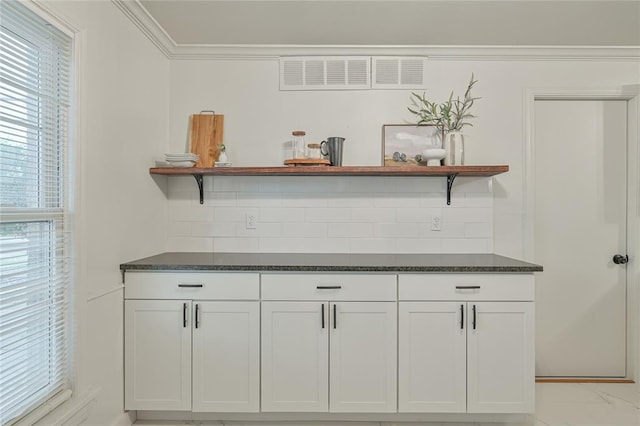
(620, 259)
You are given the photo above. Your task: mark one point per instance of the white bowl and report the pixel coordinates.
(433, 156)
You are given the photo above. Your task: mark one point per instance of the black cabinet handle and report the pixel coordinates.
(184, 315)
(323, 315)
(329, 287)
(335, 320)
(190, 285)
(461, 317)
(467, 287)
(474, 317)
(620, 259)
(197, 315)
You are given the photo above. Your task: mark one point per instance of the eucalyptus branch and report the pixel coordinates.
(451, 115)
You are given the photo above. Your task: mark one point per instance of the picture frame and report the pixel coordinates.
(401, 143)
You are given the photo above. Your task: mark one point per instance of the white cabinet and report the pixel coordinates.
(466, 356)
(295, 351)
(363, 356)
(500, 351)
(432, 358)
(167, 342)
(226, 356)
(329, 354)
(157, 355)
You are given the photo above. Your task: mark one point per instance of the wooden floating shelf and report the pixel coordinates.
(450, 172)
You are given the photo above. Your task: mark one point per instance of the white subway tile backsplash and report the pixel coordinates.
(261, 230)
(417, 215)
(281, 214)
(465, 245)
(304, 230)
(221, 199)
(418, 245)
(396, 230)
(181, 244)
(304, 200)
(326, 215)
(259, 199)
(237, 245)
(350, 230)
(231, 214)
(177, 229)
(349, 199)
(478, 230)
(372, 245)
(433, 199)
(213, 229)
(330, 214)
(373, 215)
(394, 199)
(460, 214)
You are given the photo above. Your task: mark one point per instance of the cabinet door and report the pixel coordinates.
(157, 355)
(226, 356)
(363, 361)
(432, 357)
(501, 376)
(295, 354)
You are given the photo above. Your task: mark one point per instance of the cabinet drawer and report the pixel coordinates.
(192, 285)
(466, 287)
(356, 287)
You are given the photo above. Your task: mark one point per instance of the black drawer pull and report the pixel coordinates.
(467, 287)
(329, 287)
(474, 317)
(197, 315)
(184, 315)
(335, 318)
(190, 285)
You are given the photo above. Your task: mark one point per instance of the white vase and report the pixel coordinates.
(454, 148)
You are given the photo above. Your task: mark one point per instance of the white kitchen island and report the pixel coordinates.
(228, 336)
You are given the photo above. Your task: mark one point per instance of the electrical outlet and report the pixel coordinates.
(436, 223)
(251, 221)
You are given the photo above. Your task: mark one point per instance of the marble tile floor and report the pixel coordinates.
(557, 404)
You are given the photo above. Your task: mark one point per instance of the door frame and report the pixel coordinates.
(631, 94)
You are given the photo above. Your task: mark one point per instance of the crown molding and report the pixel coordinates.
(137, 13)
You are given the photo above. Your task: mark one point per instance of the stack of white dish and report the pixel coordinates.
(181, 160)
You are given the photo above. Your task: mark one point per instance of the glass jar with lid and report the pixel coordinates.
(313, 151)
(298, 144)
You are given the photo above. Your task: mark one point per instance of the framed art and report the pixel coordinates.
(402, 143)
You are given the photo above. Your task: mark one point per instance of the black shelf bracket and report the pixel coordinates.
(450, 179)
(199, 180)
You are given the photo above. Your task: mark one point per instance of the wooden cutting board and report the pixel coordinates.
(205, 137)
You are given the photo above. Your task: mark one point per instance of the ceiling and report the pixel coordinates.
(397, 22)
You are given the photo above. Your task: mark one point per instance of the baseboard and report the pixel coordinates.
(581, 380)
(125, 419)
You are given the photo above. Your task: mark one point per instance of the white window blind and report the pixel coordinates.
(35, 63)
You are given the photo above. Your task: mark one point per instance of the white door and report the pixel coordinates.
(432, 364)
(295, 356)
(580, 224)
(363, 347)
(226, 356)
(157, 357)
(500, 357)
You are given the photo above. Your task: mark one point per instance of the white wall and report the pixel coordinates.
(259, 120)
(120, 213)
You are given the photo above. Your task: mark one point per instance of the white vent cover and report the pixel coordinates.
(392, 72)
(325, 73)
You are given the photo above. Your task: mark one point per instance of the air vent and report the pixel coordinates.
(325, 73)
(398, 72)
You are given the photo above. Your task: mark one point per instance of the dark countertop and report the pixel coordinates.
(324, 262)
